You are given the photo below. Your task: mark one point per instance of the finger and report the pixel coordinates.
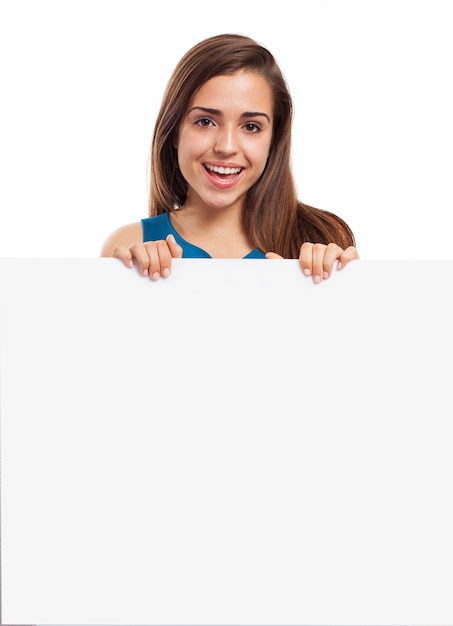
(310, 259)
(306, 258)
(123, 253)
(318, 259)
(350, 254)
(164, 254)
(273, 255)
(318, 256)
(139, 253)
(154, 266)
(331, 254)
(175, 248)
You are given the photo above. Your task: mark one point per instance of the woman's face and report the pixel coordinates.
(224, 138)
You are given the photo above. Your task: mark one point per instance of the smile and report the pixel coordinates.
(223, 170)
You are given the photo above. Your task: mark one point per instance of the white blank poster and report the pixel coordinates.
(231, 445)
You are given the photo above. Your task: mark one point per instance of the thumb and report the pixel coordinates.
(273, 255)
(175, 248)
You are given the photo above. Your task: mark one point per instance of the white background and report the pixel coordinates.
(81, 84)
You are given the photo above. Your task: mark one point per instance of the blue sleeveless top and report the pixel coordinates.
(160, 226)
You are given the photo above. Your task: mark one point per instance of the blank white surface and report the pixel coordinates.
(232, 445)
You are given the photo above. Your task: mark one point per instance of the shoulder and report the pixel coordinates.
(123, 236)
(157, 227)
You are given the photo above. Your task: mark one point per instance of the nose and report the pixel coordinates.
(226, 141)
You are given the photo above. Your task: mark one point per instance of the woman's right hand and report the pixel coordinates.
(153, 257)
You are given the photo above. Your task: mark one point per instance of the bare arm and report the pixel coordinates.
(125, 236)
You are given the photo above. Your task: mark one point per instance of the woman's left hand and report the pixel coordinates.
(317, 259)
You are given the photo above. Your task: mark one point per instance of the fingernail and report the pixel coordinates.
(339, 265)
(316, 278)
(307, 272)
(156, 276)
(166, 272)
(326, 275)
(145, 272)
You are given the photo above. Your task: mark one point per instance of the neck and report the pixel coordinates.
(219, 232)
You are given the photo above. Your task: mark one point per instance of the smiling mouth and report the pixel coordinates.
(223, 171)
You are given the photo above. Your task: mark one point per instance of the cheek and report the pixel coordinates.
(187, 161)
(261, 156)
(191, 145)
(257, 149)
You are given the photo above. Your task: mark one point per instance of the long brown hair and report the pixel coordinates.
(273, 217)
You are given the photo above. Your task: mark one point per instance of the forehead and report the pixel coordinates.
(243, 90)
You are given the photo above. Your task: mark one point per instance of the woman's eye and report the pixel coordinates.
(203, 121)
(251, 127)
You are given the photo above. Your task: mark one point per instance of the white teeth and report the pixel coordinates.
(223, 170)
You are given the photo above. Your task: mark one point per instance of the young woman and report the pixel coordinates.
(221, 184)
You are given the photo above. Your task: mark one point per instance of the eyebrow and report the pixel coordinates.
(218, 112)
